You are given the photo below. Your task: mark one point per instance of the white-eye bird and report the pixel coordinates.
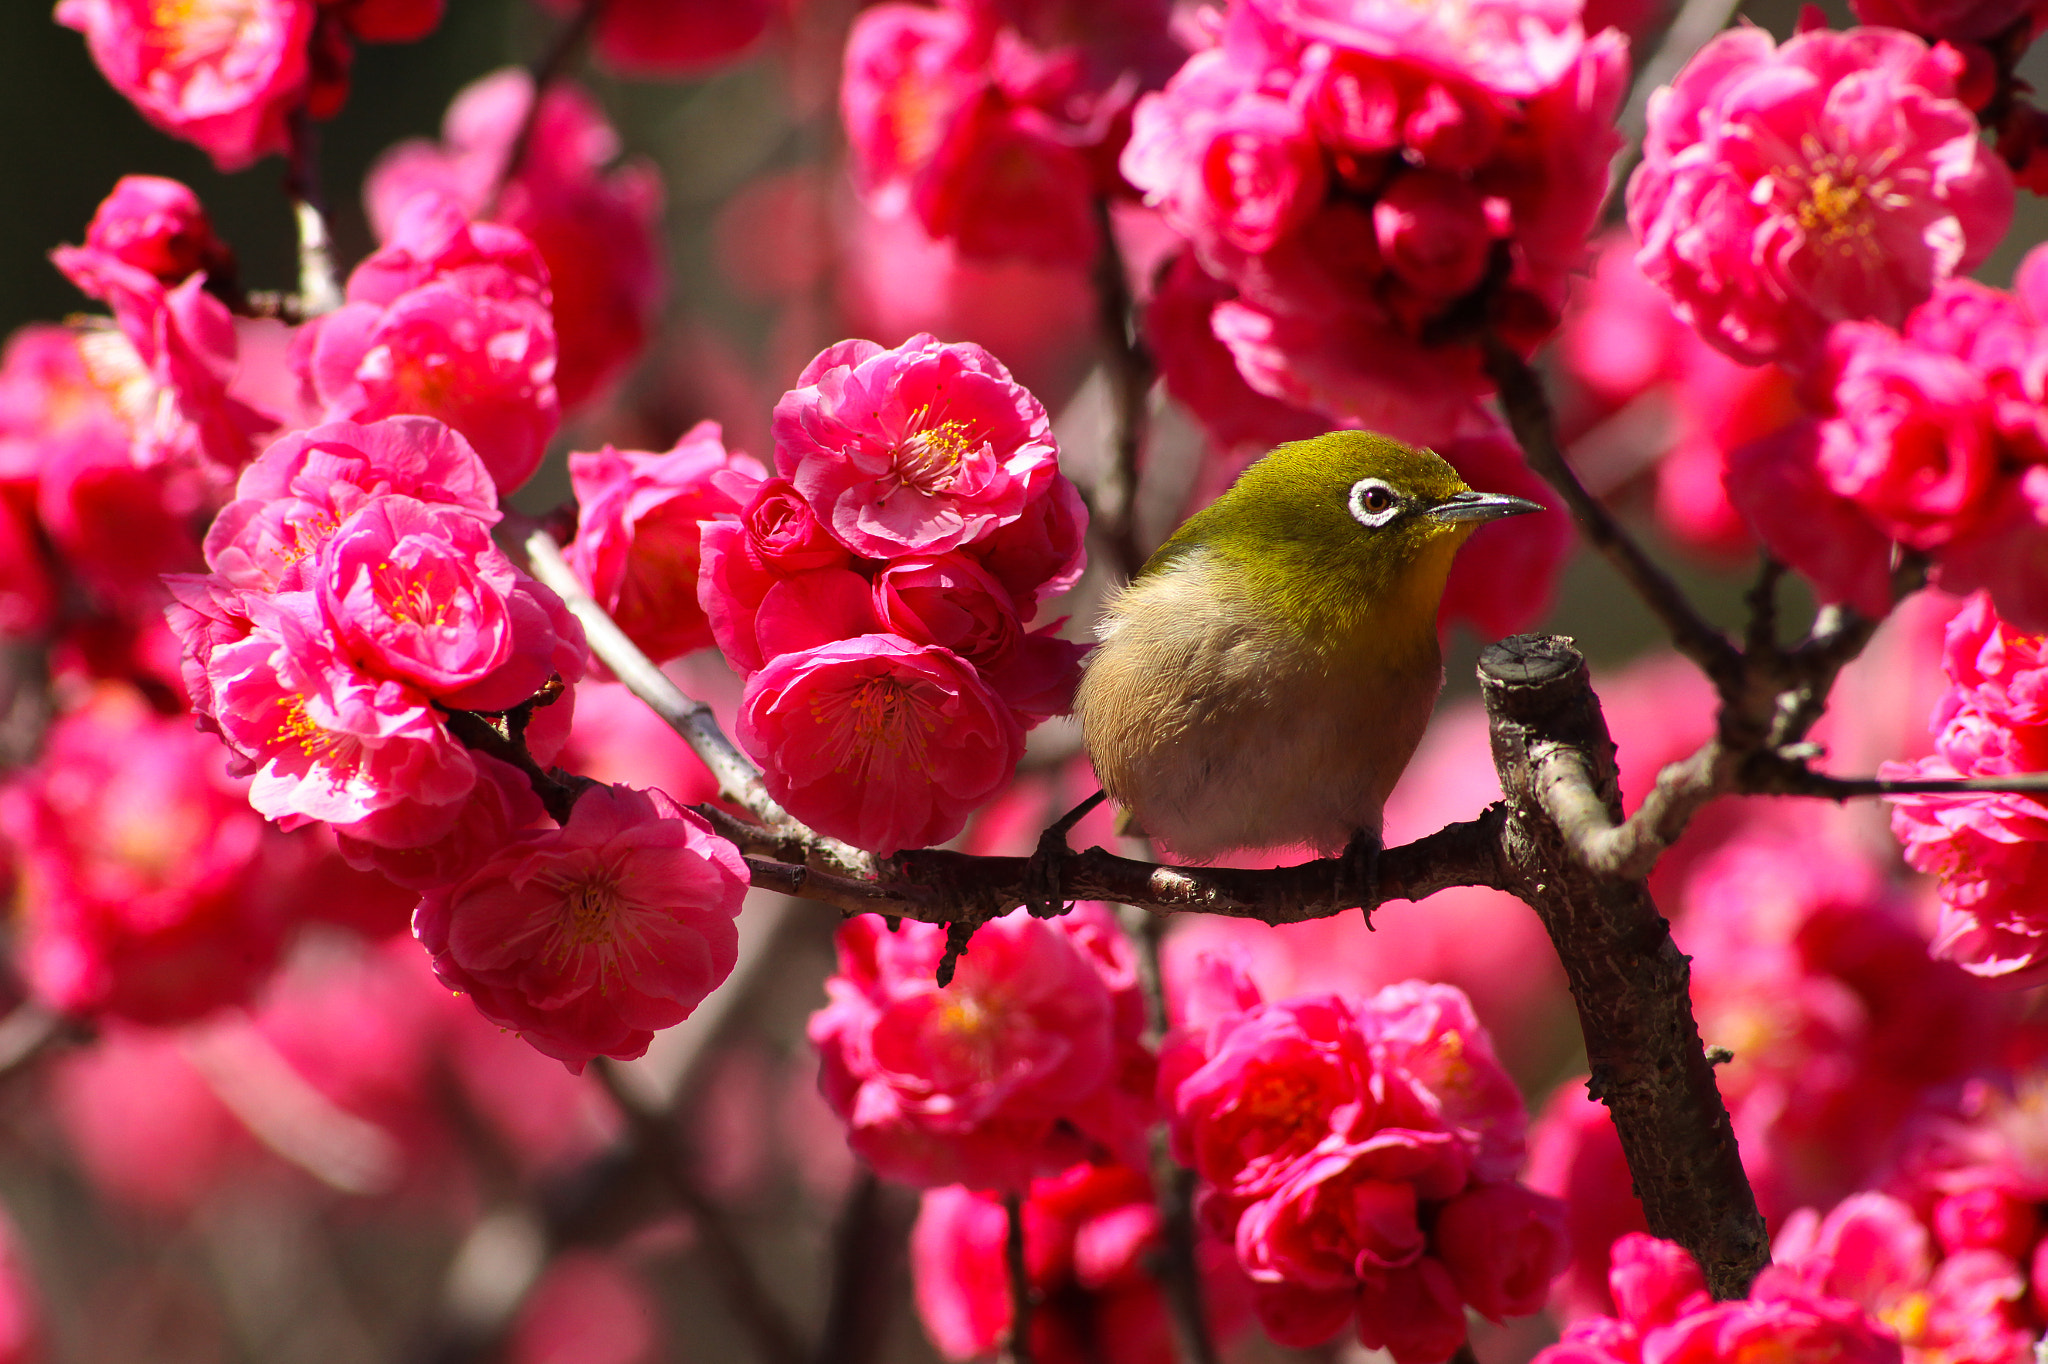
(1269, 672)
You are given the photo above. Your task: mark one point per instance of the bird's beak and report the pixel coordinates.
(1472, 506)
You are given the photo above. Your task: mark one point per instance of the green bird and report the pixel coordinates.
(1267, 675)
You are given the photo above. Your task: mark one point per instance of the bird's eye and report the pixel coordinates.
(1373, 502)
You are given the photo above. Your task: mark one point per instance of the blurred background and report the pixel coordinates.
(361, 1168)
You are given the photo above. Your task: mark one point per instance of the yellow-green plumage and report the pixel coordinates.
(1268, 673)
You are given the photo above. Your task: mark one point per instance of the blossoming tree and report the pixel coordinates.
(372, 820)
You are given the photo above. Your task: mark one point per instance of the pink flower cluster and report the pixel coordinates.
(356, 597)
(1989, 851)
(590, 938)
(875, 593)
(995, 143)
(1088, 1233)
(1352, 178)
(450, 319)
(1361, 1155)
(1030, 1061)
(228, 75)
(150, 890)
(638, 527)
(169, 358)
(1664, 1316)
(1836, 178)
(1961, 1293)
(594, 227)
(1934, 437)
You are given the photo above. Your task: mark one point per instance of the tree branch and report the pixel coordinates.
(739, 781)
(934, 885)
(319, 285)
(1017, 1343)
(755, 1308)
(1528, 412)
(1130, 369)
(1629, 980)
(545, 71)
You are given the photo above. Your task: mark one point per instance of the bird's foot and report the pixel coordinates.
(1043, 888)
(1358, 873)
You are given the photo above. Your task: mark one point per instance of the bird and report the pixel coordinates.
(1267, 674)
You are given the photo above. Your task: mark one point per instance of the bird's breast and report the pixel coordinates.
(1221, 727)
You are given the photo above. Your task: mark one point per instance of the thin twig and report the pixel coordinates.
(867, 1258)
(739, 781)
(1017, 1344)
(545, 71)
(1173, 1265)
(1130, 370)
(319, 285)
(756, 1309)
(1528, 411)
(1793, 779)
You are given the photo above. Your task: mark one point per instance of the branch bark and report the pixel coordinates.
(1629, 980)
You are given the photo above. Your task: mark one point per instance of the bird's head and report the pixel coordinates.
(1347, 534)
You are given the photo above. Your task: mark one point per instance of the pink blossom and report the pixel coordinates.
(327, 741)
(1088, 1232)
(1784, 189)
(636, 545)
(294, 496)
(28, 587)
(1666, 1316)
(670, 38)
(1989, 851)
(450, 319)
(1513, 47)
(158, 227)
(446, 849)
(1777, 485)
(143, 1125)
(166, 364)
(148, 887)
(952, 602)
(419, 592)
(1348, 176)
(116, 526)
(1200, 371)
(1912, 442)
(980, 133)
(920, 449)
(1333, 1137)
(882, 742)
(1503, 1245)
(222, 74)
(594, 223)
(1012, 1071)
(785, 534)
(588, 939)
(756, 613)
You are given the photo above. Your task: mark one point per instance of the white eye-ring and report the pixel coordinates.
(1374, 502)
